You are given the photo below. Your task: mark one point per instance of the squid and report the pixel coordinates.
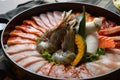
(92, 35)
(93, 25)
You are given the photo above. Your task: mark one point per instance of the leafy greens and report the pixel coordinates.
(47, 56)
(88, 57)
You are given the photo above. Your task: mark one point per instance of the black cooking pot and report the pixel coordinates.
(23, 74)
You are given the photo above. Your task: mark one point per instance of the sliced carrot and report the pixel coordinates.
(106, 42)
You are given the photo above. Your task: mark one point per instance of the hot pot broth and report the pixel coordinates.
(50, 44)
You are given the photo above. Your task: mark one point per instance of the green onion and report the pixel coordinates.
(47, 56)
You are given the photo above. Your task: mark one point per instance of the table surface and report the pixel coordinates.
(5, 5)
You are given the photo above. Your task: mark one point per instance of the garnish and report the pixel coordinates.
(79, 38)
(89, 57)
(38, 40)
(82, 24)
(47, 56)
(81, 49)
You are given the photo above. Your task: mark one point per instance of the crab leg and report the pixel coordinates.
(110, 31)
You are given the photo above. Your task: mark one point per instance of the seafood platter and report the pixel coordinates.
(54, 41)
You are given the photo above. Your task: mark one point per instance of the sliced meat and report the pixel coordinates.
(89, 18)
(58, 16)
(22, 34)
(58, 71)
(51, 18)
(36, 66)
(72, 72)
(18, 58)
(19, 40)
(113, 57)
(115, 38)
(45, 69)
(40, 22)
(32, 23)
(113, 51)
(20, 55)
(108, 63)
(83, 72)
(96, 69)
(107, 23)
(117, 44)
(46, 21)
(19, 48)
(78, 14)
(110, 60)
(105, 64)
(29, 60)
(29, 29)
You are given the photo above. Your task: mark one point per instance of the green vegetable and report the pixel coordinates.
(82, 24)
(47, 56)
(93, 57)
(38, 40)
(82, 28)
(100, 51)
